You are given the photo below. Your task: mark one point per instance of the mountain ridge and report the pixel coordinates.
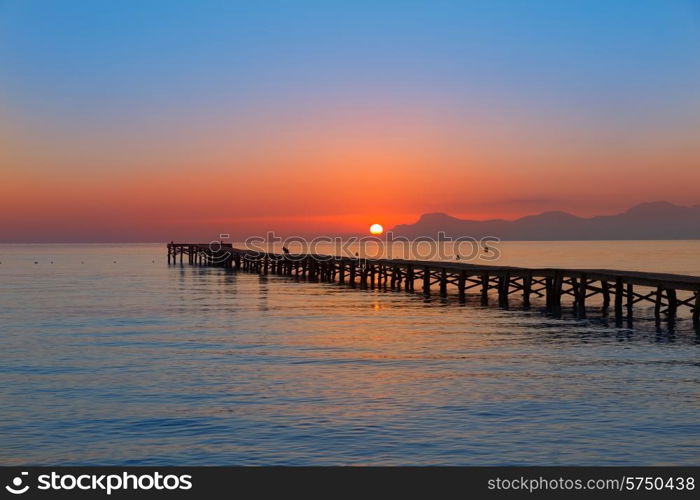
(657, 220)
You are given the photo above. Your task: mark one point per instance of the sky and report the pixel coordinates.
(134, 121)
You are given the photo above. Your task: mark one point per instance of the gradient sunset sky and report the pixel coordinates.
(159, 120)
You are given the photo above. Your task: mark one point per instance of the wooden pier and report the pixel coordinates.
(618, 291)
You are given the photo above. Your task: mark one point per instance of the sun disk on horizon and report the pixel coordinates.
(376, 229)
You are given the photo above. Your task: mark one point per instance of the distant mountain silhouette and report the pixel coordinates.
(648, 221)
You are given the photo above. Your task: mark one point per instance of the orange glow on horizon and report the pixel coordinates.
(307, 185)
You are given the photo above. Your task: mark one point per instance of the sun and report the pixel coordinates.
(376, 229)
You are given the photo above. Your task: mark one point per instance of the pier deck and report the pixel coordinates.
(619, 290)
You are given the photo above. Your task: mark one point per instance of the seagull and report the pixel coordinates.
(285, 250)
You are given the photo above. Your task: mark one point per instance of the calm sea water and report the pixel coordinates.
(109, 356)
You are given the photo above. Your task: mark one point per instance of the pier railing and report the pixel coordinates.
(618, 291)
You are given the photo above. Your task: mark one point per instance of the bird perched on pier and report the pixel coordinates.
(285, 250)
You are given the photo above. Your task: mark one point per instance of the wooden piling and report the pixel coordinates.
(581, 299)
(657, 302)
(672, 300)
(630, 299)
(353, 272)
(485, 278)
(605, 287)
(426, 281)
(443, 283)
(527, 289)
(503, 289)
(619, 287)
(461, 286)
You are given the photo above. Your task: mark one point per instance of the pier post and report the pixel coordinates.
(527, 289)
(443, 283)
(605, 286)
(341, 272)
(555, 292)
(503, 288)
(484, 289)
(409, 278)
(672, 302)
(581, 298)
(558, 290)
(353, 271)
(630, 299)
(696, 311)
(426, 281)
(657, 302)
(461, 285)
(618, 298)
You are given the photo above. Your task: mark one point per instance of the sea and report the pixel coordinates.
(110, 356)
